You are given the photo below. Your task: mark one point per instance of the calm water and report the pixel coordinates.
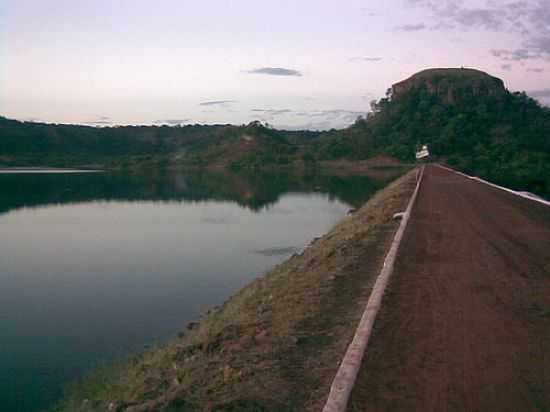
(94, 266)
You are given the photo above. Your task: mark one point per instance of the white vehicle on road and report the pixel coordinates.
(423, 152)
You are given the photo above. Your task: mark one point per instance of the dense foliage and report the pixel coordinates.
(29, 143)
(467, 117)
(503, 137)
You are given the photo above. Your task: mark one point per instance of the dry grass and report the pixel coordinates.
(276, 344)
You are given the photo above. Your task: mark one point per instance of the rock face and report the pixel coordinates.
(450, 85)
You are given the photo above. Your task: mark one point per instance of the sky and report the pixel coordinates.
(313, 64)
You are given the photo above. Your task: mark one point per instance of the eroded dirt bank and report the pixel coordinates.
(465, 323)
(275, 345)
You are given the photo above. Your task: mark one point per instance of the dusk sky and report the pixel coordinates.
(295, 64)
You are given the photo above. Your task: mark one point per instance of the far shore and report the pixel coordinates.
(9, 170)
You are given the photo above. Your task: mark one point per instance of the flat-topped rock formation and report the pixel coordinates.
(450, 84)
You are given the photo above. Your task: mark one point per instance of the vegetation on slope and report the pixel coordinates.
(469, 120)
(466, 116)
(29, 143)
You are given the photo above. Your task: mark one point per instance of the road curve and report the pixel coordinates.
(465, 323)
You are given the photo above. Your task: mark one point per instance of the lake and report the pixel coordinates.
(95, 266)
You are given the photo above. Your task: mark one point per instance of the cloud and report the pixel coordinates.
(365, 59)
(172, 122)
(326, 119)
(314, 125)
(535, 70)
(523, 16)
(543, 96)
(530, 52)
(270, 115)
(450, 14)
(100, 121)
(275, 71)
(412, 27)
(527, 18)
(506, 67)
(217, 102)
(544, 93)
(331, 114)
(540, 45)
(308, 119)
(273, 112)
(513, 55)
(490, 19)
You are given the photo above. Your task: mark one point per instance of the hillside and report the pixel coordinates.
(30, 143)
(451, 84)
(468, 118)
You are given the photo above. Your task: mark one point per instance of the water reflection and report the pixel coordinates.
(96, 265)
(254, 191)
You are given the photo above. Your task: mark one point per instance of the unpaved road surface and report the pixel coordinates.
(465, 323)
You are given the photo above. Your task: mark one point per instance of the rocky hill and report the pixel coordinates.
(65, 145)
(451, 84)
(467, 117)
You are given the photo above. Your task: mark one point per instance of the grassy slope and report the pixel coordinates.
(275, 345)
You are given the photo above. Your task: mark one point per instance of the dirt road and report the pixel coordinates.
(465, 323)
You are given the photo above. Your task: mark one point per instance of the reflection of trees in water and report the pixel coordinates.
(254, 191)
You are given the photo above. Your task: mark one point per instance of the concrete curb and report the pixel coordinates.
(520, 194)
(347, 372)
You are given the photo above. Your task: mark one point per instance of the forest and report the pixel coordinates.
(467, 118)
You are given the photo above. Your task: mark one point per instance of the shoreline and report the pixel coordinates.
(46, 169)
(274, 345)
